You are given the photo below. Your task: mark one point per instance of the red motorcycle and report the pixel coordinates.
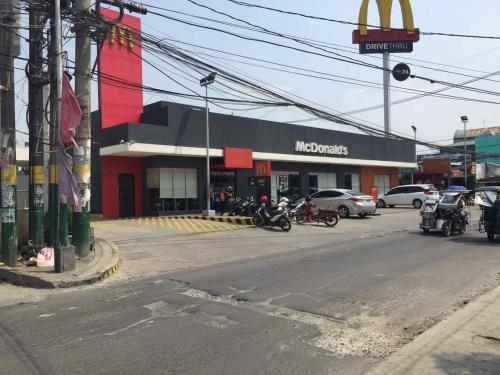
(329, 217)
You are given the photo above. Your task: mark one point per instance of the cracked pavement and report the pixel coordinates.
(314, 301)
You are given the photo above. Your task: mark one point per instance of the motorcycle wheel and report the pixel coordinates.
(257, 221)
(447, 229)
(332, 221)
(300, 218)
(426, 230)
(491, 236)
(285, 224)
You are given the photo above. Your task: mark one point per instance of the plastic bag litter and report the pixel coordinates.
(45, 258)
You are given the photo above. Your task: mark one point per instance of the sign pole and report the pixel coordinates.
(387, 92)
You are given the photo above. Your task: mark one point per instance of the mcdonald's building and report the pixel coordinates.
(150, 160)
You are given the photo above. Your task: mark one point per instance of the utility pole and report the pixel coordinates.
(9, 47)
(55, 60)
(37, 79)
(81, 158)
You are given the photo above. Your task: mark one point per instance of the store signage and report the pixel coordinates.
(401, 72)
(251, 181)
(315, 148)
(263, 168)
(381, 47)
(122, 35)
(386, 39)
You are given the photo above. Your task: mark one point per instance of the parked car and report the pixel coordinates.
(346, 202)
(413, 195)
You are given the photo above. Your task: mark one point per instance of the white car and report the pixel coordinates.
(347, 202)
(413, 195)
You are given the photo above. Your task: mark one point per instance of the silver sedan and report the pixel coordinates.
(347, 202)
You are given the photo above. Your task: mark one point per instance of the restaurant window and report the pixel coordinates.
(285, 184)
(351, 181)
(383, 183)
(172, 189)
(322, 181)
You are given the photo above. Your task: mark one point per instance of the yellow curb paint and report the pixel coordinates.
(195, 225)
(177, 224)
(162, 222)
(203, 224)
(169, 223)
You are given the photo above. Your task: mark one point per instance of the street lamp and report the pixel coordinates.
(465, 120)
(208, 80)
(414, 131)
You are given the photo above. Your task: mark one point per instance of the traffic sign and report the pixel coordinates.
(401, 72)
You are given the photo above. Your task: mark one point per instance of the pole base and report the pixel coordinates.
(208, 213)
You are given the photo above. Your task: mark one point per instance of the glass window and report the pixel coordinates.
(166, 184)
(394, 191)
(355, 182)
(191, 185)
(383, 183)
(172, 189)
(322, 181)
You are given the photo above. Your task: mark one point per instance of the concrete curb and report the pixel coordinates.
(221, 219)
(17, 277)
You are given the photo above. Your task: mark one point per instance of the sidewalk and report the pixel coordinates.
(468, 342)
(98, 265)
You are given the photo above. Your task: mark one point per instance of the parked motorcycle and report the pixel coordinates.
(447, 215)
(329, 217)
(277, 218)
(243, 207)
(489, 221)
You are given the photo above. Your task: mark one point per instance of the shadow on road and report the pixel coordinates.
(474, 240)
(474, 363)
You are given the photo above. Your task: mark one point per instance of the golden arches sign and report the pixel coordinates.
(385, 11)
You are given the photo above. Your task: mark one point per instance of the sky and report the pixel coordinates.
(436, 119)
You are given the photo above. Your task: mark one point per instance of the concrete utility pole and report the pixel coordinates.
(9, 47)
(55, 61)
(37, 79)
(81, 166)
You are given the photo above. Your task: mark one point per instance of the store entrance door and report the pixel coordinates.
(126, 193)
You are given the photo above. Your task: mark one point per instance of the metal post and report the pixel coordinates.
(387, 93)
(81, 166)
(8, 175)
(465, 153)
(36, 80)
(208, 150)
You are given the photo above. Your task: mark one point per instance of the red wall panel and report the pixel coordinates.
(111, 167)
(235, 158)
(120, 73)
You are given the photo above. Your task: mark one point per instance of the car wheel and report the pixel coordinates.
(380, 203)
(417, 203)
(362, 214)
(344, 211)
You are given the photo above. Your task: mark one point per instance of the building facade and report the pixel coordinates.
(157, 166)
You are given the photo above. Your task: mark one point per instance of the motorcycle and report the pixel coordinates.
(489, 221)
(243, 207)
(447, 215)
(329, 217)
(277, 218)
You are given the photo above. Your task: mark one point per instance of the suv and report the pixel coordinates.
(413, 195)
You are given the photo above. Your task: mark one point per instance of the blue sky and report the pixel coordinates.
(435, 118)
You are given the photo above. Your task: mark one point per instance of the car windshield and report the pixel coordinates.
(354, 193)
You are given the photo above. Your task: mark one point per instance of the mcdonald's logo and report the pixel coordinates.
(262, 168)
(386, 33)
(385, 11)
(122, 35)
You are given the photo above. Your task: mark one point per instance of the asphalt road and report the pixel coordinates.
(334, 303)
